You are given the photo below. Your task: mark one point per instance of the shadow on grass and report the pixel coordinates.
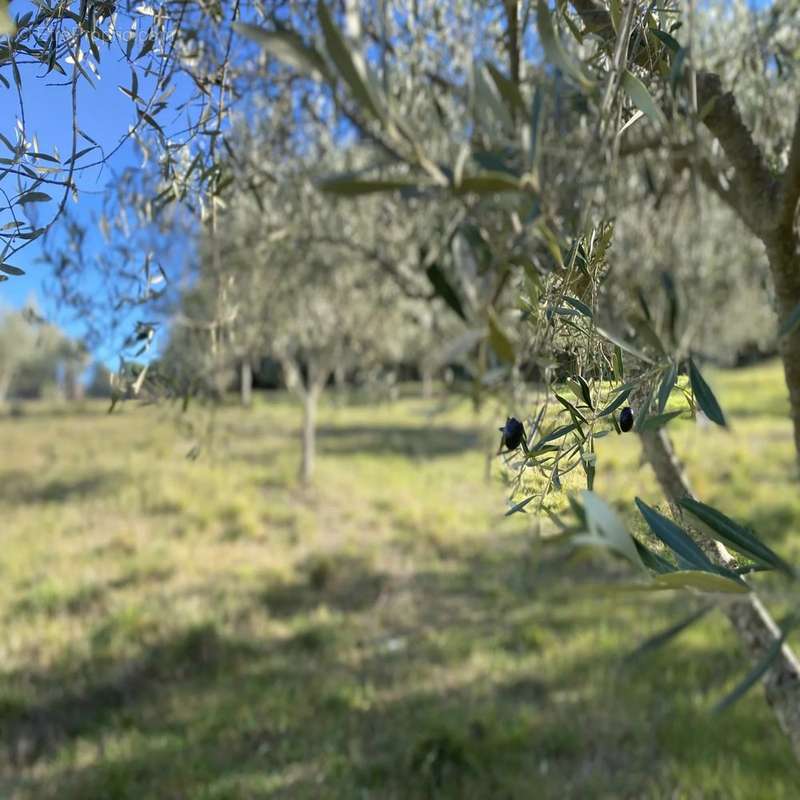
(338, 581)
(331, 710)
(418, 441)
(18, 487)
(33, 731)
(38, 410)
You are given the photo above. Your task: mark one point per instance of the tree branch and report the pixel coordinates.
(751, 620)
(595, 18)
(512, 36)
(730, 195)
(790, 193)
(758, 188)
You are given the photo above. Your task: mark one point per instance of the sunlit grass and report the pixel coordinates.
(209, 629)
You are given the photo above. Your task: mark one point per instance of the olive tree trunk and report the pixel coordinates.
(426, 376)
(310, 399)
(6, 377)
(774, 225)
(784, 262)
(340, 379)
(246, 383)
(308, 389)
(767, 203)
(752, 622)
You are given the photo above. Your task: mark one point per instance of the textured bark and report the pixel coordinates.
(246, 383)
(767, 204)
(790, 190)
(309, 436)
(308, 389)
(784, 262)
(754, 186)
(752, 622)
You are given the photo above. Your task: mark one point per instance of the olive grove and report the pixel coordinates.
(628, 73)
(591, 192)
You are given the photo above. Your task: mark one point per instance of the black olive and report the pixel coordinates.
(626, 419)
(513, 433)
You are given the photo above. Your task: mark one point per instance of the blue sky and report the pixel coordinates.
(104, 113)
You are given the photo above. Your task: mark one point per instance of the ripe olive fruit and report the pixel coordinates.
(513, 433)
(626, 419)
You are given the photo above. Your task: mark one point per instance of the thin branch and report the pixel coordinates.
(386, 264)
(512, 36)
(68, 186)
(758, 187)
(595, 18)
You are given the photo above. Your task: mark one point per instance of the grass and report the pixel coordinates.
(208, 629)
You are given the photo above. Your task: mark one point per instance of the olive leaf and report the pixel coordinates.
(615, 403)
(704, 396)
(499, 340)
(351, 69)
(352, 186)
(722, 528)
(444, 289)
(641, 98)
(606, 529)
(554, 50)
(286, 47)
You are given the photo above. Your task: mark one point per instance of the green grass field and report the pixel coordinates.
(208, 629)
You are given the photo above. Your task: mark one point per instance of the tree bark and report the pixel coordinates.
(309, 435)
(784, 262)
(246, 383)
(426, 376)
(5, 384)
(309, 391)
(339, 378)
(512, 38)
(752, 622)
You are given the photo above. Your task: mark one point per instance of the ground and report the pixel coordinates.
(178, 628)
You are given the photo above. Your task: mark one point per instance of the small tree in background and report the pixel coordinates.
(293, 292)
(37, 358)
(99, 384)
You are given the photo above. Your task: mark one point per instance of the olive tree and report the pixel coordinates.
(632, 89)
(761, 183)
(291, 288)
(34, 356)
